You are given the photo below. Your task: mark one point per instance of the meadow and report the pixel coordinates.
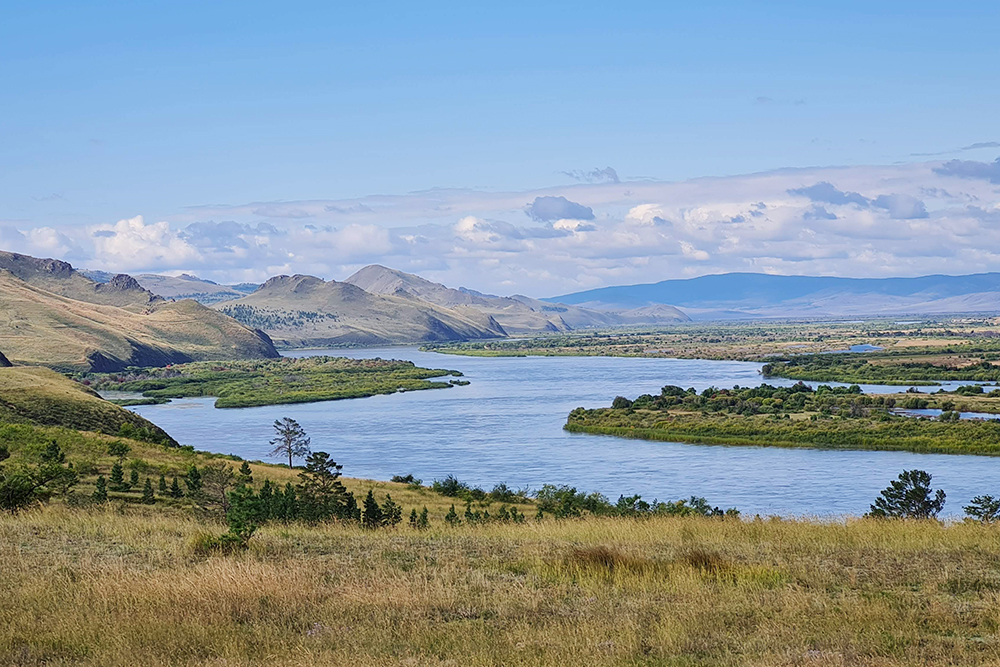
(125, 586)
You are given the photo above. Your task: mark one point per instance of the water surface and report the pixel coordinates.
(507, 426)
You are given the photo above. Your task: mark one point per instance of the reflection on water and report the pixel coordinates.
(507, 426)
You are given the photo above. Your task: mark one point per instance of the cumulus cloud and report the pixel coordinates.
(546, 209)
(132, 243)
(901, 207)
(989, 171)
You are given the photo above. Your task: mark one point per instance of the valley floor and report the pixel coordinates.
(124, 587)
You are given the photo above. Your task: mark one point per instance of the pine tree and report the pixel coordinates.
(100, 494)
(163, 485)
(147, 493)
(392, 513)
(469, 516)
(351, 510)
(118, 449)
(372, 515)
(909, 497)
(246, 474)
(175, 489)
(289, 504)
(133, 479)
(452, 517)
(290, 440)
(53, 454)
(423, 521)
(117, 477)
(193, 480)
(266, 500)
(540, 514)
(413, 518)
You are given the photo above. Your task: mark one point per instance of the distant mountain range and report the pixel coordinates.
(516, 314)
(184, 286)
(302, 311)
(748, 295)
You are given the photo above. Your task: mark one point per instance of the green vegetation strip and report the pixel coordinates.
(786, 417)
(241, 384)
(873, 368)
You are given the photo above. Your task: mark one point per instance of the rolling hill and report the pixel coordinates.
(516, 314)
(763, 295)
(186, 286)
(51, 315)
(300, 311)
(42, 397)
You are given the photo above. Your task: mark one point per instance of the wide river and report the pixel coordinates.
(507, 426)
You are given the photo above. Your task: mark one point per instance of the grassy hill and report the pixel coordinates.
(302, 311)
(41, 397)
(51, 315)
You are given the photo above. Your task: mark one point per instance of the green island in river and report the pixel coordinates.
(241, 384)
(799, 416)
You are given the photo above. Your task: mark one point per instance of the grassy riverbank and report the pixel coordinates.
(117, 588)
(927, 367)
(243, 384)
(796, 417)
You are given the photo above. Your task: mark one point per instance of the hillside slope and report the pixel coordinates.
(308, 311)
(50, 315)
(189, 287)
(516, 314)
(754, 294)
(42, 397)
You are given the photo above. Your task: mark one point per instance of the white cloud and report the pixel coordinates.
(857, 221)
(131, 244)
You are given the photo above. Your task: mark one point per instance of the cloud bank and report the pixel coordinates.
(908, 219)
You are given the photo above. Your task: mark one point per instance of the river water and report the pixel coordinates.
(506, 426)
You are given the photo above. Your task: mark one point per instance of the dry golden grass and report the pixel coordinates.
(103, 587)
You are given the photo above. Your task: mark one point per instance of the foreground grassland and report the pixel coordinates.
(241, 384)
(106, 587)
(41, 397)
(798, 417)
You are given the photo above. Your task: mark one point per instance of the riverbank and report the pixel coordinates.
(798, 416)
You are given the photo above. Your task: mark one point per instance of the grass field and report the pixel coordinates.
(110, 587)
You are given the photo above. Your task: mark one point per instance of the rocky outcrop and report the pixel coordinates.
(4, 362)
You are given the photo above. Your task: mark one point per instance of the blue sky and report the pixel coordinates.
(176, 111)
